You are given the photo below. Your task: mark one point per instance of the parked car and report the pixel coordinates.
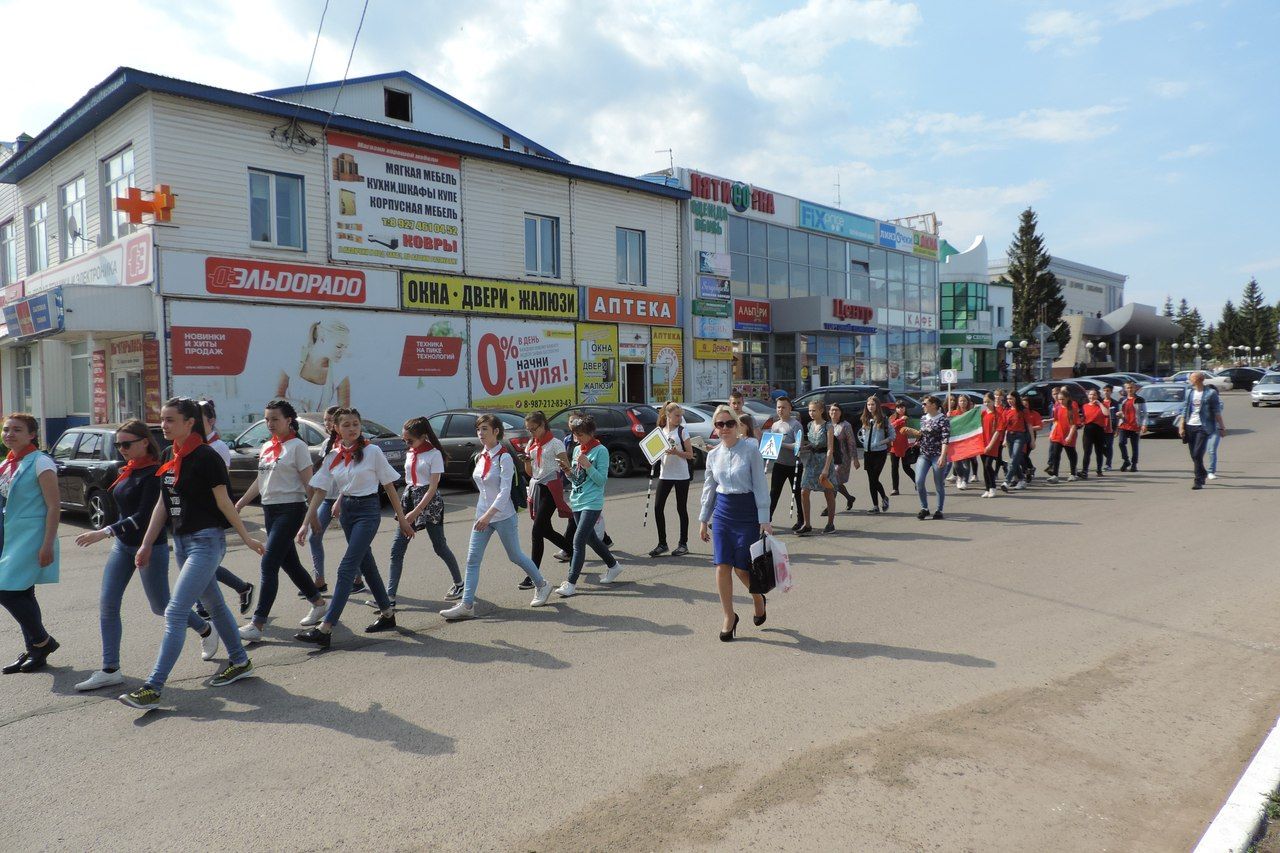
(852, 399)
(1036, 394)
(619, 427)
(915, 408)
(87, 466)
(1117, 380)
(1164, 405)
(456, 429)
(758, 409)
(1266, 390)
(1211, 379)
(1242, 378)
(246, 447)
(1095, 383)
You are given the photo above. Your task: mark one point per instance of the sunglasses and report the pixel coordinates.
(127, 444)
(726, 424)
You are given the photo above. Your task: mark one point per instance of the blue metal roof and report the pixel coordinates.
(435, 90)
(126, 84)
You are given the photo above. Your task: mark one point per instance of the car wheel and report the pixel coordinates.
(102, 510)
(619, 464)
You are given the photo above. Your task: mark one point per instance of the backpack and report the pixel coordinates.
(519, 482)
(837, 449)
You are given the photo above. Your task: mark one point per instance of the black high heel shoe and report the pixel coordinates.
(759, 620)
(726, 636)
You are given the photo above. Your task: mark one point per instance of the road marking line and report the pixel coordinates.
(1238, 820)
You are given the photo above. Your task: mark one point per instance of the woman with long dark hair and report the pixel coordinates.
(30, 554)
(1014, 422)
(324, 515)
(226, 577)
(674, 475)
(544, 456)
(992, 439)
(135, 493)
(588, 475)
(1062, 435)
(1097, 423)
(284, 472)
(198, 509)
(934, 433)
(900, 445)
(877, 436)
(847, 453)
(352, 472)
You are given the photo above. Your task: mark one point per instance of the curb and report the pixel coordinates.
(1240, 818)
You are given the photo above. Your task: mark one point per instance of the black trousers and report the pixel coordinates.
(544, 510)
(900, 462)
(781, 474)
(1094, 444)
(990, 465)
(681, 488)
(24, 608)
(1129, 437)
(873, 460)
(1055, 458)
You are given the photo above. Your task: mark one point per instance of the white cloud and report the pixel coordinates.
(1169, 89)
(976, 131)
(1259, 266)
(807, 34)
(1062, 29)
(1137, 10)
(1198, 149)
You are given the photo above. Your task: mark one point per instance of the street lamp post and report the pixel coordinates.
(1124, 361)
(1176, 364)
(1137, 356)
(1257, 354)
(1088, 348)
(1008, 358)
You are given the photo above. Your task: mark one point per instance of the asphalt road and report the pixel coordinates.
(1086, 666)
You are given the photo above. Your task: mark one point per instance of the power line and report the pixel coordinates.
(347, 70)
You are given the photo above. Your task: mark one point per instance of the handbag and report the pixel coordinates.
(761, 575)
(912, 455)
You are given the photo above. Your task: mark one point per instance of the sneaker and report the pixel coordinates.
(830, 528)
(1108, 468)
(938, 516)
(875, 510)
(884, 506)
(608, 542)
(385, 622)
(611, 573)
(1021, 485)
(454, 593)
(680, 550)
(101, 678)
(233, 673)
(459, 611)
(246, 600)
(1053, 479)
(922, 514)
(201, 612)
(358, 586)
(1213, 476)
(144, 698)
(1072, 478)
(543, 593)
(1124, 467)
(566, 589)
(250, 633)
(527, 583)
(659, 550)
(893, 493)
(1134, 469)
(989, 493)
(1004, 487)
(314, 616)
(962, 485)
(209, 645)
(1084, 475)
(563, 556)
(316, 636)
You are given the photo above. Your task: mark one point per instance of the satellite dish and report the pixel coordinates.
(73, 227)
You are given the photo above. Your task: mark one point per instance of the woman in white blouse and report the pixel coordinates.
(352, 472)
(495, 512)
(543, 456)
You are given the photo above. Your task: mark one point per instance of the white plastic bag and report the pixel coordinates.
(781, 565)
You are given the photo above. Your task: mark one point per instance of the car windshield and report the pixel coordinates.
(1270, 379)
(1162, 394)
(373, 429)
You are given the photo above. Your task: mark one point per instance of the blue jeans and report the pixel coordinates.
(1130, 438)
(585, 535)
(1214, 440)
(508, 531)
(324, 515)
(282, 522)
(1017, 444)
(401, 544)
(923, 467)
(360, 519)
(1197, 443)
(155, 583)
(198, 555)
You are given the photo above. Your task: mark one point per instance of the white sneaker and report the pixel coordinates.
(315, 615)
(1213, 476)
(461, 611)
(250, 633)
(962, 485)
(611, 574)
(1022, 485)
(1053, 479)
(1073, 478)
(101, 679)
(541, 594)
(566, 589)
(209, 644)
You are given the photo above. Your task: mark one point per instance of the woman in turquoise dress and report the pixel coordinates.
(29, 552)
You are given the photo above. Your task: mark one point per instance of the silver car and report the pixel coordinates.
(1164, 405)
(1266, 390)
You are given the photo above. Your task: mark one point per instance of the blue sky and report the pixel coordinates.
(1140, 130)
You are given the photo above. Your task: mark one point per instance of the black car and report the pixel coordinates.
(246, 446)
(852, 400)
(456, 429)
(1035, 395)
(619, 427)
(1242, 378)
(88, 464)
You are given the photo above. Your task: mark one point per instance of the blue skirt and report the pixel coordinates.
(735, 527)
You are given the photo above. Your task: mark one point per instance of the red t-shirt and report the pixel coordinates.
(1064, 418)
(1129, 415)
(899, 446)
(1098, 415)
(1013, 420)
(1034, 421)
(991, 429)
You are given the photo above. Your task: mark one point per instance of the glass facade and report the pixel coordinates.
(769, 261)
(960, 304)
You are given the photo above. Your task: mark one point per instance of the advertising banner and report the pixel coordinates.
(394, 204)
(628, 306)
(907, 240)
(151, 379)
(720, 328)
(35, 315)
(255, 280)
(451, 293)
(523, 365)
(713, 350)
(390, 366)
(711, 308)
(713, 287)
(98, 363)
(752, 315)
(597, 363)
(127, 261)
(828, 220)
(668, 364)
(714, 263)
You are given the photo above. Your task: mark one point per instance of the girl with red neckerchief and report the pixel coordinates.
(424, 507)
(543, 458)
(226, 577)
(284, 471)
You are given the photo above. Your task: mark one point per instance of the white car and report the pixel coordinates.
(1266, 390)
(1211, 379)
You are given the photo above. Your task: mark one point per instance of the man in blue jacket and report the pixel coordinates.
(1201, 418)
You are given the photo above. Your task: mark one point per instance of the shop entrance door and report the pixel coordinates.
(128, 388)
(633, 382)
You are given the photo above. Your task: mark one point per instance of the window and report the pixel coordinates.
(461, 426)
(631, 257)
(437, 424)
(275, 210)
(37, 237)
(81, 402)
(22, 379)
(8, 253)
(72, 240)
(541, 245)
(310, 434)
(255, 436)
(117, 178)
(1000, 316)
(397, 105)
(90, 446)
(65, 447)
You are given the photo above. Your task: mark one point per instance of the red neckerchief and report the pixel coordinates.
(411, 463)
(275, 447)
(344, 455)
(538, 445)
(488, 461)
(132, 465)
(587, 446)
(212, 437)
(11, 462)
(175, 464)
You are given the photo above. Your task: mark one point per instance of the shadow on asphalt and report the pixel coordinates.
(576, 621)
(857, 651)
(1004, 519)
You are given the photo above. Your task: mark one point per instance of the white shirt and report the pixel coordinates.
(495, 488)
(280, 480)
(424, 465)
(674, 467)
(220, 447)
(546, 468)
(1197, 397)
(354, 479)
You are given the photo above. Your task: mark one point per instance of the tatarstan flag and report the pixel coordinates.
(966, 436)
